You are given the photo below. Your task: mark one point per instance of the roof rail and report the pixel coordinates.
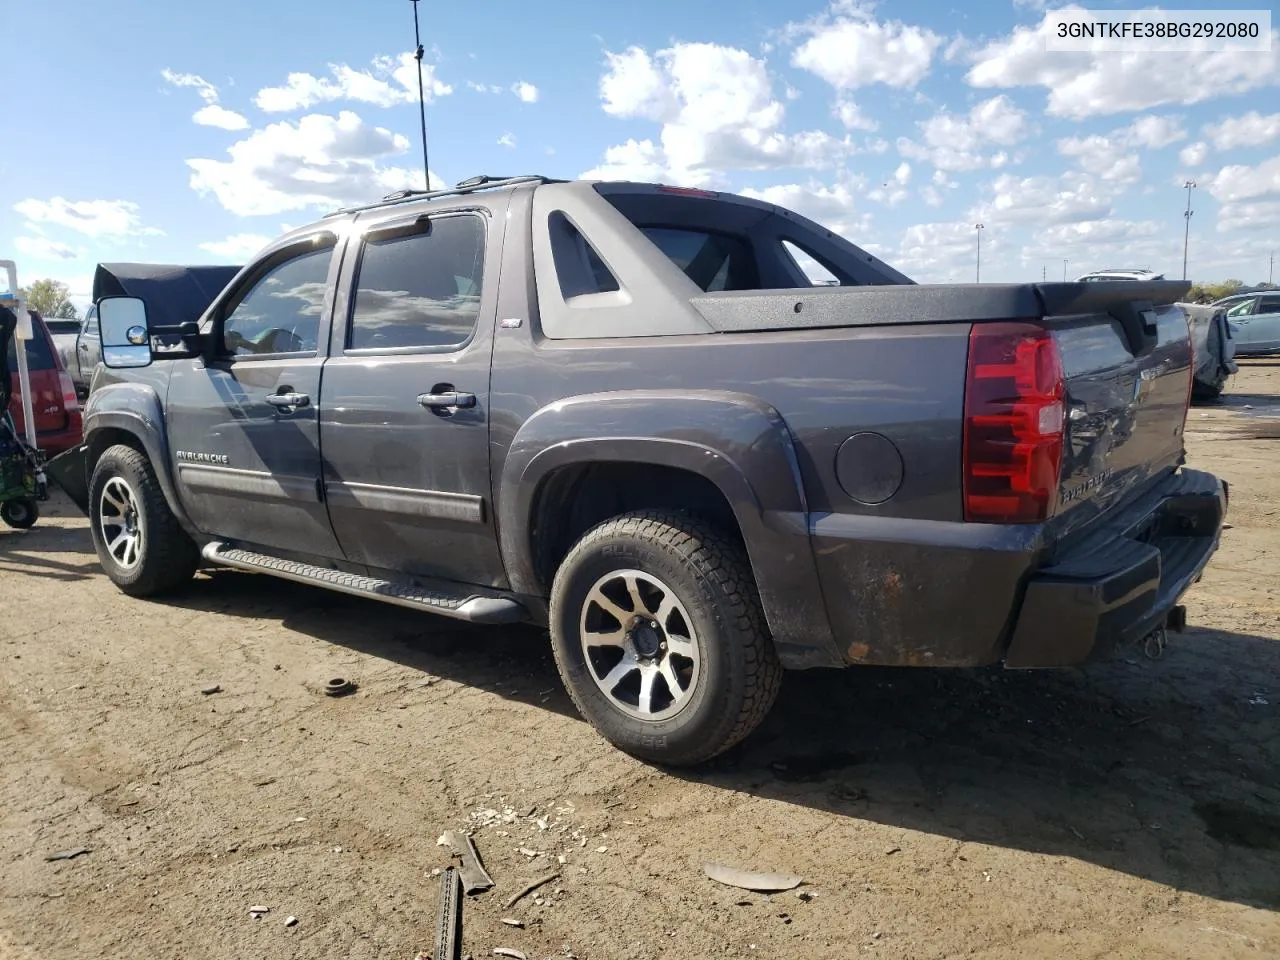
(470, 185)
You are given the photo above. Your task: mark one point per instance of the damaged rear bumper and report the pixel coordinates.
(1125, 580)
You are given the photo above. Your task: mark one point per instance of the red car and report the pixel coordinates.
(59, 425)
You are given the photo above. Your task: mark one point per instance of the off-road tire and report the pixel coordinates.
(739, 675)
(168, 556)
(20, 514)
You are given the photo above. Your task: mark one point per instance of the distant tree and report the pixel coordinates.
(1209, 292)
(52, 299)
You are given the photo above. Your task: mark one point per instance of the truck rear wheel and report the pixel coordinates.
(659, 637)
(141, 546)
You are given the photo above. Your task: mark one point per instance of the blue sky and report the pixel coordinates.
(193, 133)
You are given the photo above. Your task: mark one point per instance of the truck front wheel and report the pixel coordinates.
(659, 637)
(141, 546)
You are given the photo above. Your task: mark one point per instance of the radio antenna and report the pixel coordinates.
(422, 99)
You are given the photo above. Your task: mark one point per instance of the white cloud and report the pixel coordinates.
(956, 142)
(93, 218)
(635, 86)
(389, 81)
(1114, 157)
(1250, 130)
(238, 246)
(1249, 195)
(852, 117)
(507, 140)
(944, 252)
(527, 92)
(1100, 244)
(317, 161)
(1108, 158)
(1156, 132)
(483, 87)
(834, 206)
(893, 191)
(1085, 84)
(1044, 200)
(42, 248)
(1193, 154)
(207, 91)
(850, 49)
(1259, 215)
(213, 115)
(717, 111)
(639, 160)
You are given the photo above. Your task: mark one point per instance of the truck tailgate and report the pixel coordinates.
(1127, 361)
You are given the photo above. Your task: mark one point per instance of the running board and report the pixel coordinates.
(459, 606)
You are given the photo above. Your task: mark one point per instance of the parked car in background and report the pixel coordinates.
(85, 353)
(1102, 275)
(1255, 322)
(53, 396)
(64, 332)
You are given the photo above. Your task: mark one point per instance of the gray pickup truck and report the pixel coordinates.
(623, 411)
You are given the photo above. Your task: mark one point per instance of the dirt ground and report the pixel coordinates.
(1127, 810)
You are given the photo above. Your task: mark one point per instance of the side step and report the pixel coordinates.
(459, 606)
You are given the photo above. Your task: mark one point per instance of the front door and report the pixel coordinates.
(405, 414)
(244, 427)
(1240, 316)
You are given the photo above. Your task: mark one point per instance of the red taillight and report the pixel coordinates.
(1013, 416)
(70, 402)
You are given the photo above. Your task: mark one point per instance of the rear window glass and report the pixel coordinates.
(713, 261)
(38, 355)
(62, 326)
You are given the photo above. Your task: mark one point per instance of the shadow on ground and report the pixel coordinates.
(1167, 770)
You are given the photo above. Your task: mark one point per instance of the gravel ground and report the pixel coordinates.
(1126, 810)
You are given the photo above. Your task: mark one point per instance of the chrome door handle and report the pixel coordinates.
(437, 401)
(288, 400)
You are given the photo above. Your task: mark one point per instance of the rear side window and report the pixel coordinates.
(39, 356)
(1269, 305)
(419, 286)
(62, 326)
(713, 261)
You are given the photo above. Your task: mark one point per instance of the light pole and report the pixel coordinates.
(1186, 234)
(1271, 270)
(977, 276)
(1044, 273)
(1064, 269)
(422, 100)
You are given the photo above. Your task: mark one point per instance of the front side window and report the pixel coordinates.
(90, 329)
(1242, 309)
(420, 286)
(281, 311)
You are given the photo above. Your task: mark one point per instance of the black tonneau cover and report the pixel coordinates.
(173, 293)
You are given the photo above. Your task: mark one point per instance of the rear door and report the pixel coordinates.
(405, 407)
(1265, 324)
(244, 428)
(46, 392)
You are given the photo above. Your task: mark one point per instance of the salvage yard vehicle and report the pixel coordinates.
(623, 412)
(1255, 322)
